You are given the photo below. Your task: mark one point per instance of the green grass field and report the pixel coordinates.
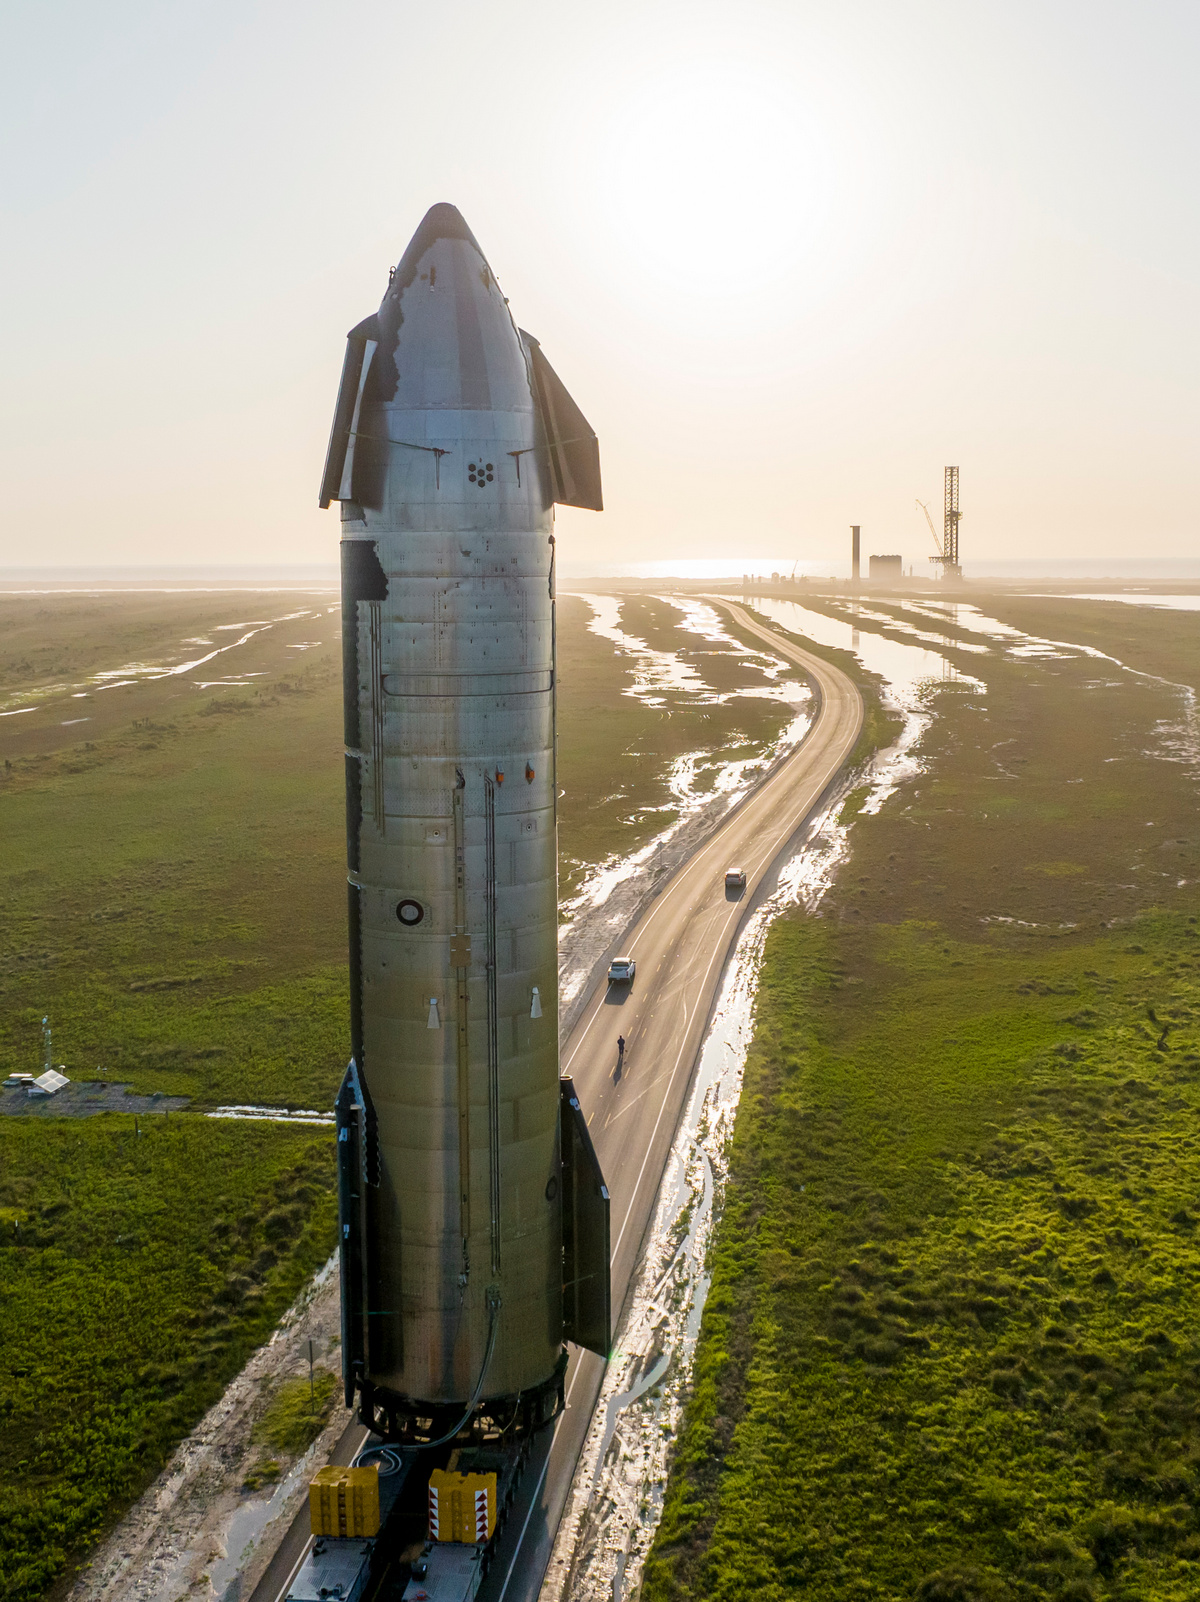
(950, 1350)
(138, 1274)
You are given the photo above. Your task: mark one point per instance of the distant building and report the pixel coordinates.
(890, 568)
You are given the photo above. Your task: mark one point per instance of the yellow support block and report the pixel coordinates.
(462, 1507)
(345, 1501)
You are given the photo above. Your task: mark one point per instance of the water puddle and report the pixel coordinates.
(654, 672)
(910, 670)
(1178, 738)
(158, 670)
(148, 672)
(245, 1529)
(275, 1115)
(887, 620)
(704, 784)
(912, 675)
(971, 619)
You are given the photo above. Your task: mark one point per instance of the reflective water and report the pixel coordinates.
(855, 609)
(1178, 603)
(128, 673)
(969, 618)
(912, 675)
(274, 1115)
(910, 670)
(1175, 738)
(704, 784)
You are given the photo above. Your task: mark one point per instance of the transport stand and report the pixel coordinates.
(425, 1500)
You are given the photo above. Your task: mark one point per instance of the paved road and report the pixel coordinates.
(681, 944)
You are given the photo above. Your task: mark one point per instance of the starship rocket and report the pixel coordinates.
(473, 1218)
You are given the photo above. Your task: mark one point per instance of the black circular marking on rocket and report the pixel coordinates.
(551, 1188)
(410, 913)
(490, 465)
(489, 478)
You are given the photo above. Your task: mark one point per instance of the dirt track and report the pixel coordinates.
(196, 1533)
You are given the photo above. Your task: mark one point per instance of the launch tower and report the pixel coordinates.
(948, 555)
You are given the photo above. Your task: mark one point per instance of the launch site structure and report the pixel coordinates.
(473, 1217)
(947, 542)
(947, 555)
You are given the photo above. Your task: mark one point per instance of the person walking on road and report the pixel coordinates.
(620, 1057)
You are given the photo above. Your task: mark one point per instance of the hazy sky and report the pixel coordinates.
(789, 258)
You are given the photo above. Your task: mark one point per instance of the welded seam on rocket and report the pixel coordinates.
(376, 638)
(493, 1022)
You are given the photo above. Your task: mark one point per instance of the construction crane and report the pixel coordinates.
(937, 542)
(947, 543)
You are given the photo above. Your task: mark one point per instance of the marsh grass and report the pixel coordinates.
(950, 1349)
(138, 1272)
(297, 1413)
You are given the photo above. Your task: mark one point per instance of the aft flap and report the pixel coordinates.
(587, 1296)
(571, 449)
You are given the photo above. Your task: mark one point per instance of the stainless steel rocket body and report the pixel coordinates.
(446, 473)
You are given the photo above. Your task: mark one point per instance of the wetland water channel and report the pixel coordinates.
(89, 692)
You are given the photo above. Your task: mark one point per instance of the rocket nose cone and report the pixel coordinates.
(442, 221)
(446, 338)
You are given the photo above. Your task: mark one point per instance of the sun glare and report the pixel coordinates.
(715, 176)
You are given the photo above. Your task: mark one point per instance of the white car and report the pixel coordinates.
(621, 971)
